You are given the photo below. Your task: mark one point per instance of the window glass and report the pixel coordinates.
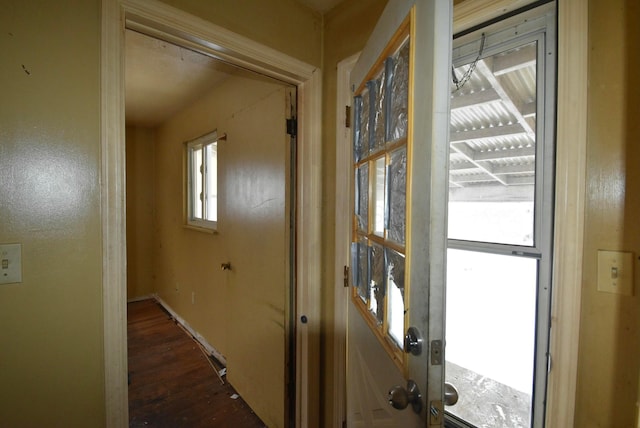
(491, 317)
(202, 184)
(493, 149)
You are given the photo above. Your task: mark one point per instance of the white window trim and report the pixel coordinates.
(191, 220)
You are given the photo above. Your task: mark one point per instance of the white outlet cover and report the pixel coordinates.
(10, 263)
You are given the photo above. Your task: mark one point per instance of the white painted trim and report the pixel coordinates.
(159, 19)
(571, 147)
(112, 204)
(197, 336)
(308, 250)
(342, 238)
(470, 13)
(172, 24)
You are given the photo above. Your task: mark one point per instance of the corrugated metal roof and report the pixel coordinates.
(493, 121)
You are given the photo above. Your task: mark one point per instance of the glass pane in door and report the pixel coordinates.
(381, 150)
(492, 160)
(490, 337)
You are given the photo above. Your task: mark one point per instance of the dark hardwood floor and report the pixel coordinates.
(171, 382)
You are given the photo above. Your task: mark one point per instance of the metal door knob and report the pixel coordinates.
(400, 398)
(450, 394)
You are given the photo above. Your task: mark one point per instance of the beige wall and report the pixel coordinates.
(610, 330)
(285, 25)
(51, 354)
(225, 307)
(51, 358)
(140, 157)
(187, 261)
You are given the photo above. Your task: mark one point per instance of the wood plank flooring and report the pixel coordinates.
(171, 383)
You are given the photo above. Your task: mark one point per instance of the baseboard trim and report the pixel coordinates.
(141, 298)
(197, 336)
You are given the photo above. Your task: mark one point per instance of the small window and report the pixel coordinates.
(202, 181)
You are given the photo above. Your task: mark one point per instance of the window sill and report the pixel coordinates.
(200, 229)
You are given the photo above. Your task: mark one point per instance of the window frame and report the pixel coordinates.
(381, 329)
(191, 220)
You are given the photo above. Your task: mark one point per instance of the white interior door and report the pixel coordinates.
(398, 237)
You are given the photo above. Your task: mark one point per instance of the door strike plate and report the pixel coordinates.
(436, 410)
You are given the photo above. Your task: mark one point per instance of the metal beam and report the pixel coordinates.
(474, 99)
(488, 132)
(514, 60)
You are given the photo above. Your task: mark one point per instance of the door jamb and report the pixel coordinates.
(571, 143)
(191, 31)
(342, 229)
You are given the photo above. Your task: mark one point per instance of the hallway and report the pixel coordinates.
(171, 383)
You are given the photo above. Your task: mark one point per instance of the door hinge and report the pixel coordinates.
(346, 276)
(292, 127)
(347, 116)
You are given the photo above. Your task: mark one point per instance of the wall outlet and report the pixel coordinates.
(615, 272)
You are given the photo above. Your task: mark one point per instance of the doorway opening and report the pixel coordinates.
(500, 221)
(174, 96)
(171, 24)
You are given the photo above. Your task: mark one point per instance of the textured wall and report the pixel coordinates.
(140, 151)
(51, 357)
(241, 310)
(610, 332)
(285, 25)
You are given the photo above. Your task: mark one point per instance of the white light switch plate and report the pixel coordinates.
(615, 272)
(10, 263)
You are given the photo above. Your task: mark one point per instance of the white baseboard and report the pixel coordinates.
(197, 336)
(140, 298)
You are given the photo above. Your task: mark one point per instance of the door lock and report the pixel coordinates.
(413, 342)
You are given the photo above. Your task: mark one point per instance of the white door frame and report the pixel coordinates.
(169, 23)
(571, 143)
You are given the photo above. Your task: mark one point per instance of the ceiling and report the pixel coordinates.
(162, 78)
(321, 6)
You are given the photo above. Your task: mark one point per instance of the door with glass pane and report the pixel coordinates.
(500, 223)
(399, 185)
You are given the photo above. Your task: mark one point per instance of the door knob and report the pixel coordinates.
(400, 398)
(450, 394)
